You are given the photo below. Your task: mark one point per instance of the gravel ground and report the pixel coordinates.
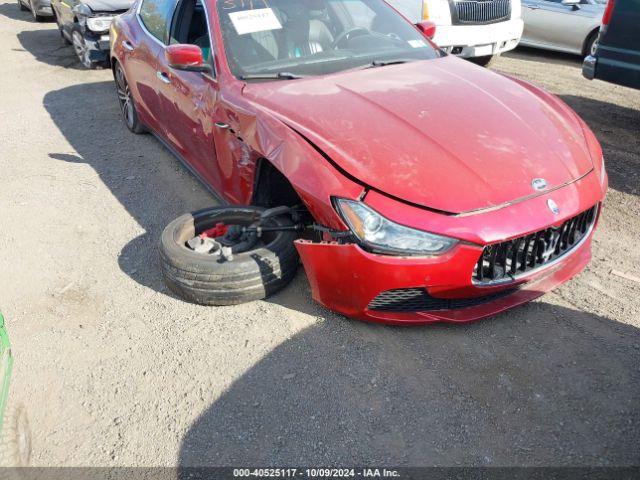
(114, 370)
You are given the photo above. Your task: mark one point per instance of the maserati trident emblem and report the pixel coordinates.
(553, 206)
(550, 248)
(539, 184)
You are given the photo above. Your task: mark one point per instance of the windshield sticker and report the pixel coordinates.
(251, 21)
(417, 43)
(244, 4)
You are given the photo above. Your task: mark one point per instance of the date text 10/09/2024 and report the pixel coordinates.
(315, 472)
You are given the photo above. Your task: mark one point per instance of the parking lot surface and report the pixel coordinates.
(115, 370)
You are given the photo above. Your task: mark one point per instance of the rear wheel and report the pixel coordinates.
(483, 61)
(127, 105)
(591, 45)
(196, 267)
(34, 12)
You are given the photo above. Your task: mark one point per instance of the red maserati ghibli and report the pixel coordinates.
(414, 186)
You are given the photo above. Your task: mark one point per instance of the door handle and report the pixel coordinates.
(222, 125)
(163, 77)
(127, 45)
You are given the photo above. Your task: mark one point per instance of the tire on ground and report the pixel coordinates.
(83, 58)
(591, 40)
(208, 280)
(483, 61)
(135, 126)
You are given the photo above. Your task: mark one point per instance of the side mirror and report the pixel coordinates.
(186, 57)
(428, 28)
(572, 3)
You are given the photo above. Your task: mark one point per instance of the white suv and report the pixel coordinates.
(471, 29)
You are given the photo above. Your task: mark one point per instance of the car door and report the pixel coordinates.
(143, 47)
(188, 98)
(555, 25)
(64, 11)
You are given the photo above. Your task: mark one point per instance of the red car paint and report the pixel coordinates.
(439, 145)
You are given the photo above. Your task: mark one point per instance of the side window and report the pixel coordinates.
(189, 25)
(155, 15)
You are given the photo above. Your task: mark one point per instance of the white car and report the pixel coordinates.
(472, 29)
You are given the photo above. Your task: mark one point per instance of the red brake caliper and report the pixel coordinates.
(218, 231)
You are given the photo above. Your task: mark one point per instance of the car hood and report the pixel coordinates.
(442, 133)
(108, 5)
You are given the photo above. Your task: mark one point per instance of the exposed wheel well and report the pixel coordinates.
(272, 188)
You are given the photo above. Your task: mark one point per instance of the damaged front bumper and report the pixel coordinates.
(385, 289)
(97, 45)
(390, 289)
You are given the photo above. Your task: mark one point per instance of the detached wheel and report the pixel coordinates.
(127, 105)
(195, 251)
(483, 61)
(15, 446)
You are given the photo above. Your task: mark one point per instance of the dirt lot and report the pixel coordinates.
(114, 370)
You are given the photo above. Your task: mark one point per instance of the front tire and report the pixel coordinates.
(81, 49)
(209, 280)
(483, 61)
(127, 104)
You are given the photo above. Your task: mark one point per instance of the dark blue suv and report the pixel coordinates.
(617, 58)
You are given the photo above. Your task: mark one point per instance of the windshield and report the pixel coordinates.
(290, 38)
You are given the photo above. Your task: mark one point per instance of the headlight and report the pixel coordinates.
(384, 236)
(99, 24)
(603, 173)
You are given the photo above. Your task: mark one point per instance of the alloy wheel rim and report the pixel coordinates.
(124, 97)
(594, 47)
(79, 47)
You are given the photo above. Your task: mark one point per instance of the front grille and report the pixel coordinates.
(418, 300)
(503, 262)
(486, 11)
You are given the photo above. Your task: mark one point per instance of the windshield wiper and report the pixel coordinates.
(384, 63)
(270, 76)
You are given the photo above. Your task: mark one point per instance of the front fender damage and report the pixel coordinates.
(312, 176)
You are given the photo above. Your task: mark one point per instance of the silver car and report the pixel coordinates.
(565, 25)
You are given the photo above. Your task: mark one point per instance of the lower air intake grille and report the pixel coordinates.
(503, 262)
(418, 300)
(485, 11)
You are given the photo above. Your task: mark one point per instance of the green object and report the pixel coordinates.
(6, 365)
(206, 51)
